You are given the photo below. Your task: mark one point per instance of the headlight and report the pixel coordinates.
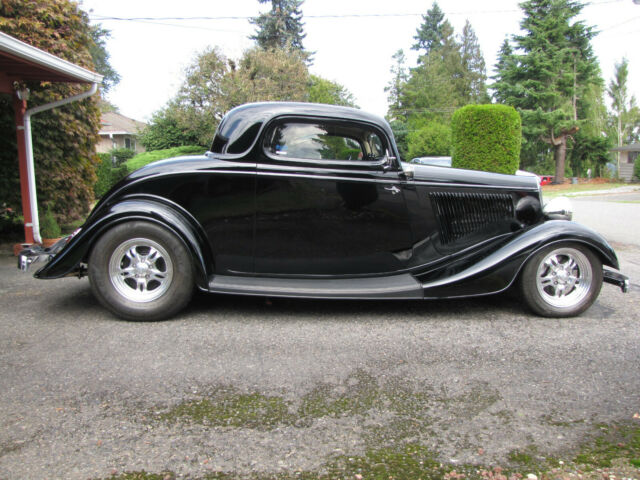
(558, 208)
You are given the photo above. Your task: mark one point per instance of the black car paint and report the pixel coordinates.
(249, 214)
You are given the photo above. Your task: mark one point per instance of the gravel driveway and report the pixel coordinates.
(243, 385)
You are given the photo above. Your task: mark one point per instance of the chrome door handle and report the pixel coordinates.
(393, 189)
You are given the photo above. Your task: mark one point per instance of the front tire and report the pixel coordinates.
(561, 280)
(141, 271)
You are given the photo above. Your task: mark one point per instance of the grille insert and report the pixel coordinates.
(460, 214)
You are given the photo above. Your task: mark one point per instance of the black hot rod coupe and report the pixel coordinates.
(312, 201)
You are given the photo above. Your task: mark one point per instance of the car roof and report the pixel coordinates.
(240, 119)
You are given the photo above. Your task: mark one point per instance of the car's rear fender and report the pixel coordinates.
(135, 208)
(497, 271)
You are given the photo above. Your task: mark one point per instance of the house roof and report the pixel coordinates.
(113, 123)
(634, 147)
(21, 61)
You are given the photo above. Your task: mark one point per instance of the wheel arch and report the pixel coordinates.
(497, 271)
(154, 210)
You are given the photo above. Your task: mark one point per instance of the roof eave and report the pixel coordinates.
(39, 57)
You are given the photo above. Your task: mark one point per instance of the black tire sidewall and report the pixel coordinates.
(173, 300)
(536, 302)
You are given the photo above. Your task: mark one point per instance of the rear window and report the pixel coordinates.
(324, 141)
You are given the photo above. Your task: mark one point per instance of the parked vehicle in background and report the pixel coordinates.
(436, 161)
(545, 179)
(312, 201)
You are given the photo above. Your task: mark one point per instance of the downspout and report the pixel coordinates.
(31, 174)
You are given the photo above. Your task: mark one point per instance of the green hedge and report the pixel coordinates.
(108, 175)
(142, 159)
(122, 154)
(486, 137)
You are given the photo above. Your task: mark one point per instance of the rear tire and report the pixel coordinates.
(561, 280)
(141, 271)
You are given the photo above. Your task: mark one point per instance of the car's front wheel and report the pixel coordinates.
(141, 271)
(562, 280)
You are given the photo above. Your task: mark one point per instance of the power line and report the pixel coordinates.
(327, 16)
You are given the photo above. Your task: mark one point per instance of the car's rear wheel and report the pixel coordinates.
(141, 271)
(562, 280)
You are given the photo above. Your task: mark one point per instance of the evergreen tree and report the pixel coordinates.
(397, 83)
(548, 76)
(281, 27)
(434, 87)
(450, 74)
(506, 68)
(430, 33)
(474, 81)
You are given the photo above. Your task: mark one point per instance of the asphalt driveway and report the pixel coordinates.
(244, 385)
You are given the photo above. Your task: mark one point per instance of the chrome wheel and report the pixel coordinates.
(564, 277)
(140, 270)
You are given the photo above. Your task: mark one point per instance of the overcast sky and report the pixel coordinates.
(353, 50)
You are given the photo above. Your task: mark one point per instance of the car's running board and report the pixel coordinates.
(394, 286)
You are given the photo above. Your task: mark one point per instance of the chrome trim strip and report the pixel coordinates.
(398, 180)
(287, 169)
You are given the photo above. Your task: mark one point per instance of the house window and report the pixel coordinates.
(127, 143)
(632, 157)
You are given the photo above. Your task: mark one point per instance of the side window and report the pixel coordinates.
(324, 141)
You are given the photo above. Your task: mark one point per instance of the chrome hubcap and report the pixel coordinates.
(564, 277)
(140, 270)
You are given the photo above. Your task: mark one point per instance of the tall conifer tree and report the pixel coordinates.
(549, 74)
(281, 27)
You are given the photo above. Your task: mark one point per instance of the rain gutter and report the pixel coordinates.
(31, 175)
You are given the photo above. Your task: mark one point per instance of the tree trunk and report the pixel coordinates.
(559, 155)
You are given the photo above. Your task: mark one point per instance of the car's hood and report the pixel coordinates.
(458, 176)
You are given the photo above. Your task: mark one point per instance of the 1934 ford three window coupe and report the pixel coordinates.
(312, 201)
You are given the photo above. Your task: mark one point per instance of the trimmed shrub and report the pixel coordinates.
(49, 228)
(121, 155)
(432, 139)
(636, 168)
(487, 138)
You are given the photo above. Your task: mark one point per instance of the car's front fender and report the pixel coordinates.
(496, 272)
(152, 209)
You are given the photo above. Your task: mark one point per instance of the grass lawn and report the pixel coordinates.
(550, 191)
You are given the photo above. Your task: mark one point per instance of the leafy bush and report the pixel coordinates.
(49, 228)
(432, 139)
(143, 159)
(486, 137)
(166, 131)
(108, 175)
(64, 138)
(121, 155)
(10, 221)
(636, 168)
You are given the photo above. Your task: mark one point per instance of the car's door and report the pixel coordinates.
(325, 203)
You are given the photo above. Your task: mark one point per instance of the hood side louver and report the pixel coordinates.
(461, 214)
